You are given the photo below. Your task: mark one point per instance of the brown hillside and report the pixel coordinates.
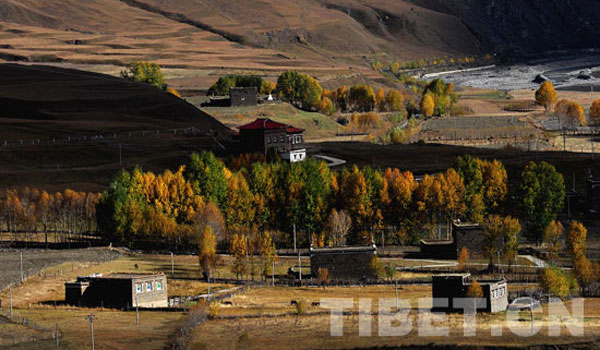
(62, 127)
(268, 34)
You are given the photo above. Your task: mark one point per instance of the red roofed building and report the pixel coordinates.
(264, 134)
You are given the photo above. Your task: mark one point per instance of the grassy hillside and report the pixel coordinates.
(62, 128)
(317, 125)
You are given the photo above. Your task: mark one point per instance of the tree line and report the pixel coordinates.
(64, 215)
(323, 207)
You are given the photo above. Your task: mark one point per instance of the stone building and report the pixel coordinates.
(264, 134)
(119, 290)
(344, 264)
(451, 286)
(464, 234)
(243, 96)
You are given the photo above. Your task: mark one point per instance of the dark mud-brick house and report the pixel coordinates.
(243, 96)
(264, 134)
(464, 234)
(119, 290)
(344, 264)
(446, 288)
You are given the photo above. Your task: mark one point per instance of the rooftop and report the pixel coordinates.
(364, 248)
(120, 275)
(268, 124)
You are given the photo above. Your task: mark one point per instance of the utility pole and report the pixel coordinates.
(396, 288)
(22, 276)
(172, 265)
(91, 318)
(208, 281)
(11, 306)
(273, 272)
(295, 250)
(300, 267)
(56, 336)
(137, 312)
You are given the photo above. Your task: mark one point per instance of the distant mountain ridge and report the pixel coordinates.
(276, 34)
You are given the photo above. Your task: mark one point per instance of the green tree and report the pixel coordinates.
(145, 72)
(557, 282)
(299, 89)
(541, 196)
(362, 98)
(206, 173)
(470, 172)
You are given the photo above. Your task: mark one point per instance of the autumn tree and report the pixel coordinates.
(427, 105)
(240, 210)
(474, 290)
(239, 248)
(555, 281)
(442, 95)
(224, 84)
(362, 98)
(300, 89)
(377, 266)
(553, 240)
(463, 258)
(268, 253)
(326, 106)
(145, 72)
(394, 101)
(595, 113)
(510, 235)
(210, 215)
(323, 276)
(339, 224)
(207, 249)
(380, 100)
(546, 95)
(569, 113)
(494, 184)
(493, 230)
(541, 196)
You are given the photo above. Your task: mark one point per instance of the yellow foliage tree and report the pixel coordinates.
(552, 238)
(546, 95)
(463, 258)
(595, 113)
(207, 249)
(427, 105)
(239, 248)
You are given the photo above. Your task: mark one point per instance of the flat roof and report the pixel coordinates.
(123, 275)
(363, 248)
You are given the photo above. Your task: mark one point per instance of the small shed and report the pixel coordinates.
(344, 264)
(119, 290)
(452, 286)
(243, 96)
(464, 235)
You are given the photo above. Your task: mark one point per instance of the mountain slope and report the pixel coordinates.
(262, 34)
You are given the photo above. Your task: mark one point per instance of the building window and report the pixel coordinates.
(281, 139)
(159, 285)
(268, 139)
(298, 139)
(138, 288)
(148, 286)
